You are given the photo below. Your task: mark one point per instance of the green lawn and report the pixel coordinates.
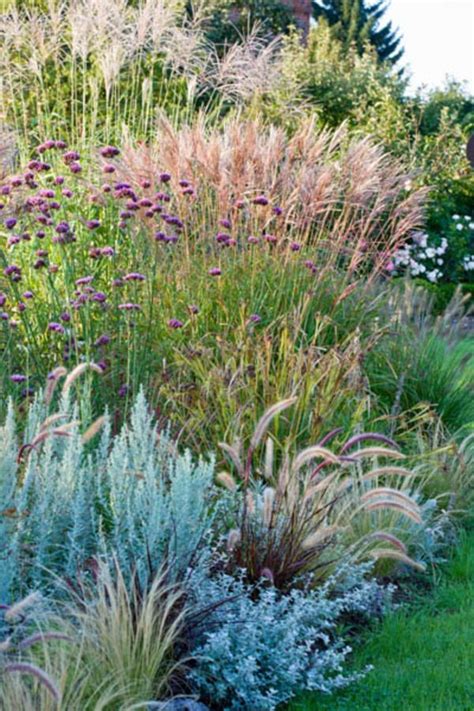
(424, 659)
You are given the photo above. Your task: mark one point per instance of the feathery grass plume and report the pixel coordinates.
(398, 556)
(299, 524)
(53, 380)
(94, 428)
(268, 505)
(35, 671)
(388, 538)
(77, 372)
(269, 458)
(321, 535)
(18, 609)
(227, 480)
(52, 420)
(343, 195)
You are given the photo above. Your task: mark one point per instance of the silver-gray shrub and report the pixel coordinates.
(261, 648)
(130, 496)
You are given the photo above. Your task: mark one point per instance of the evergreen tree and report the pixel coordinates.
(356, 23)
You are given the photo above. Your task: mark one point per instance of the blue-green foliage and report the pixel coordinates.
(261, 647)
(130, 496)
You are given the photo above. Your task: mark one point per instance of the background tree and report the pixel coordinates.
(358, 23)
(228, 20)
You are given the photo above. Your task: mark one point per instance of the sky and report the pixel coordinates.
(438, 36)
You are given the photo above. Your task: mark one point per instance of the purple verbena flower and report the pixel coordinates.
(10, 223)
(107, 251)
(102, 340)
(99, 297)
(109, 152)
(11, 270)
(92, 224)
(255, 318)
(84, 280)
(175, 323)
(260, 200)
(108, 168)
(26, 295)
(17, 378)
(215, 271)
(129, 307)
(62, 228)
(165, 177)
(295, 246)
(134, 276)
(75, 168)
(55, 327)
(70, 157)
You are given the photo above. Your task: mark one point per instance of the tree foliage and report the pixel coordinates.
(358, 23)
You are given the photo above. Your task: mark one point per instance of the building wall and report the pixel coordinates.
(302, 12)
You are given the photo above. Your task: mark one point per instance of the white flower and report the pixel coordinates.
(459, 226)
(444, 242)
(440, 261)
(407, 185)
(432, 276)
(430, 252)
(456, 217)
(467, 217)
(471, 225)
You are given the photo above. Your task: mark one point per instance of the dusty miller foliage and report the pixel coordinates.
(130, 496)
(261, 648)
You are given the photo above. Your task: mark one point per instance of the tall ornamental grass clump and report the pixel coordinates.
(91, 69)
(202, 282)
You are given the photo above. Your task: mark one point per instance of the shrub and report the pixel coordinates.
(65, 503)
(261, 647)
